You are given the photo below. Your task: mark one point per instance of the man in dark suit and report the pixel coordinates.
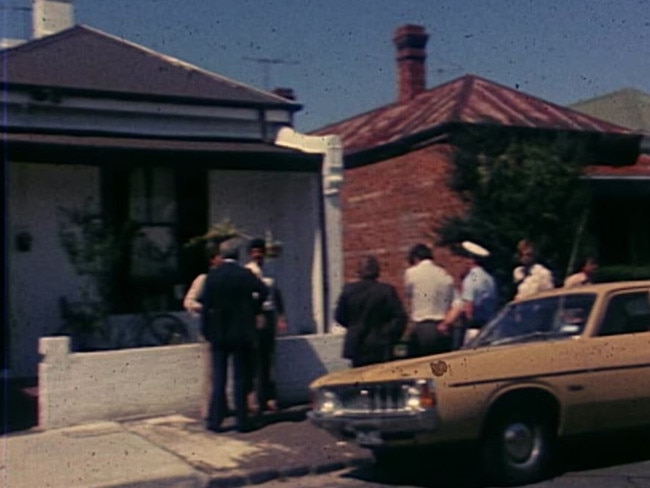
(373, 315)
(232, 298)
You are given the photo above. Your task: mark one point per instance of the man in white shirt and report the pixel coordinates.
(272, 320)
(430, 293)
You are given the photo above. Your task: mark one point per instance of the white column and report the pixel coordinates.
(332, 178)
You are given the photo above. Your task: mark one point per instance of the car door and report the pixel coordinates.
(622, 349)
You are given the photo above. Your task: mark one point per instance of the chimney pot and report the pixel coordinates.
(284, 92)
(410, 42)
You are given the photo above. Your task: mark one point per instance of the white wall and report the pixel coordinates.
(285, 203)
(93, 386)
(38, 278)
(288, 205)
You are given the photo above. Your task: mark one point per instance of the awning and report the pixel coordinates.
(107, 150)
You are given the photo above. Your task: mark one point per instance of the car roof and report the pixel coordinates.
(597, 288)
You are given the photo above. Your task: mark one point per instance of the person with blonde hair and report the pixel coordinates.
(530, 277)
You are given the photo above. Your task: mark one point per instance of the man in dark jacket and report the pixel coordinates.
(231, 299)
(373, 315)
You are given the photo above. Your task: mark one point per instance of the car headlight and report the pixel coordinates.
(420, 395)
(326, 401)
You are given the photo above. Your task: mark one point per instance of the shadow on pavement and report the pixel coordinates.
(605, 450)
(455, 467)
(293, 414)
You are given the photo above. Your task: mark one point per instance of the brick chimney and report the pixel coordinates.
(410, 41)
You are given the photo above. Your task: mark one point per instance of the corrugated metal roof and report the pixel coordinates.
(84, 58)
(467, 100)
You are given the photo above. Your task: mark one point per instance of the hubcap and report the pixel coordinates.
(519, 442)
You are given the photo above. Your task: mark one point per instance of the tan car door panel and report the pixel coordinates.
(623, 349)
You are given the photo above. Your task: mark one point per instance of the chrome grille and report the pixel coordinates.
(378, 397)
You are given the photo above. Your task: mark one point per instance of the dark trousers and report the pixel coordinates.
(458, 336)
(241, 358)
(265, 373)
(427, 340)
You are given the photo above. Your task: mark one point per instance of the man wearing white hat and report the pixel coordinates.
(478, 294)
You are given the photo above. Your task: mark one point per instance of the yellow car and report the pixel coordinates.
(563, 362)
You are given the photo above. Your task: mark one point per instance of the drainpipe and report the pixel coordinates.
(330, 226)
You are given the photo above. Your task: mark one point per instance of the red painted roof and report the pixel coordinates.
(468, 100)
(84, 58)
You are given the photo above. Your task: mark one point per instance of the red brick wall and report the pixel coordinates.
(389, 206)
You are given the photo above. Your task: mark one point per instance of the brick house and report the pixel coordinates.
(398, 157)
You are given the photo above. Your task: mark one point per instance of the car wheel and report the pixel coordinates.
(518, 446)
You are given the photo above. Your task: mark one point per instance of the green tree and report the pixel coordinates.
(518, 185)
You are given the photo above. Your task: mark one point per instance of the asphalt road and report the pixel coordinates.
(627, 476)
(621, 461)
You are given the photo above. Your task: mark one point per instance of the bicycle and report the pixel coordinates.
(161, 329)
(92, 330)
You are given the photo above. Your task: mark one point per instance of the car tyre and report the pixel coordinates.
(519, 446)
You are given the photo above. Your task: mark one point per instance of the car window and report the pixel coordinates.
(627, 313)
(543, 318)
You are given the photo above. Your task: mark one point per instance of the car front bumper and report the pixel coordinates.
(375, 429)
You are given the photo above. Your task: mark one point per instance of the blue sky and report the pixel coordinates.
(340, 58)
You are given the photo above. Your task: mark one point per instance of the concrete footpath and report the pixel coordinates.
(173, 450)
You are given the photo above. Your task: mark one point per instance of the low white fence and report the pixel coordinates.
(84, 387)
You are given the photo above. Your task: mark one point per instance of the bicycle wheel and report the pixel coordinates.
(162, 330)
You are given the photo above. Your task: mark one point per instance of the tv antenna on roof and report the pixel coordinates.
(266, 66)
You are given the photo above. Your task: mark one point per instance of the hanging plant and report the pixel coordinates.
(226, 229)
(217, 233)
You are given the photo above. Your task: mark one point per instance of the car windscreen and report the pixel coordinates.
(538, 319)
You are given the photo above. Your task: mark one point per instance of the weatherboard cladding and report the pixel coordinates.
(466, 100)
(83, 58)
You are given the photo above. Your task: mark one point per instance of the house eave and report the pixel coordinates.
(97, 150)
(608, 148)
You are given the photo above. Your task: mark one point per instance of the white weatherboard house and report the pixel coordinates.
(98, 123)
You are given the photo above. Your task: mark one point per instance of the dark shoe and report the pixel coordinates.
(217, 429)
(247, 427)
